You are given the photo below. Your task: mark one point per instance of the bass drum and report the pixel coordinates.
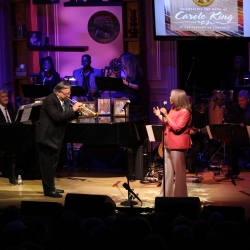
(215, 113)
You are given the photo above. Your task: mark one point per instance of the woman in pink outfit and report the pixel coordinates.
(176, 124)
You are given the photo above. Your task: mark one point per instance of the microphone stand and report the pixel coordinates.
(129, 202)
(163, 147)
(189, 74)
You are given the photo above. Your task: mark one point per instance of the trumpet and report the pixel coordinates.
(85, 110)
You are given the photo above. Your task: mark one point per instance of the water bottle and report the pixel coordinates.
(19, 180)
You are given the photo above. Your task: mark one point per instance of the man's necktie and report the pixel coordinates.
(6, 116)
(63, 106)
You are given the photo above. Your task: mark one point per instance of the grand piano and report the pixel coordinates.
(107, 130)
(108, 142)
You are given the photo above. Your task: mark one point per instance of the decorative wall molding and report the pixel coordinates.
(6, 71)
(158, 91)
(154, 62)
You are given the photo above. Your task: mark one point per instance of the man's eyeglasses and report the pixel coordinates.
(66, 94)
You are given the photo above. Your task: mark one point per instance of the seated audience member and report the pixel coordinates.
(7, 116)
(197, 139)
(241, 115)
(235, 77)
(48, 75)
(85, 77)
(131, 74)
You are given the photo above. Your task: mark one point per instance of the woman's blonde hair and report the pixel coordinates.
(179, 99)
(131, 65)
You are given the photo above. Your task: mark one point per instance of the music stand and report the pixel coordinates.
(29, 112)
(35, 91)
(109, 83)
(228, 131)
(78, 91)
(154, 135)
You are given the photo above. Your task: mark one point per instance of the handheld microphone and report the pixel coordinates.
(164, 105)
(125, 106)
(127, 187)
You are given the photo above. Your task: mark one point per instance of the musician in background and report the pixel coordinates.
(131, 74)
(48, 75)
(197, 139)
(177, 141)
(7, 116)
(85, 77)
(234, 77)
(241, 115)
(54, 114)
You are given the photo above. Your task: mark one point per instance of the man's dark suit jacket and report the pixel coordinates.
(52, 122)
(11, 112)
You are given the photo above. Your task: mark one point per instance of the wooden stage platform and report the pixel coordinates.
(110, 183)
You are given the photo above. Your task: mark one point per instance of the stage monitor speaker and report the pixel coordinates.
(189, 207)
(40, 208)
(233, 213)
(88, 205)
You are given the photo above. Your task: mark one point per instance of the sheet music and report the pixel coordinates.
(19, 111)
(150, 133)
(154, 132)
(26, 114)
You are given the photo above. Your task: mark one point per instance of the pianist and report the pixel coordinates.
(7, 116)
(7, 113)
(54, 114)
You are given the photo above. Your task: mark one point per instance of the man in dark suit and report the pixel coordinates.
(7, 113)
(54, 114)
(7, 116)
(85, 77)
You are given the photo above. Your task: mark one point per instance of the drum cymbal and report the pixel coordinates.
(194, 88)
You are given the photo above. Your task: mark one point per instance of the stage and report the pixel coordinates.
(110, 182)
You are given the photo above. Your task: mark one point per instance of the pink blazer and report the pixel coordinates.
(177, 132)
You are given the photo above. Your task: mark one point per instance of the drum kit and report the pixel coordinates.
(217, 107)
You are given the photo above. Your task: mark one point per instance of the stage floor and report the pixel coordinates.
(110, 183)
